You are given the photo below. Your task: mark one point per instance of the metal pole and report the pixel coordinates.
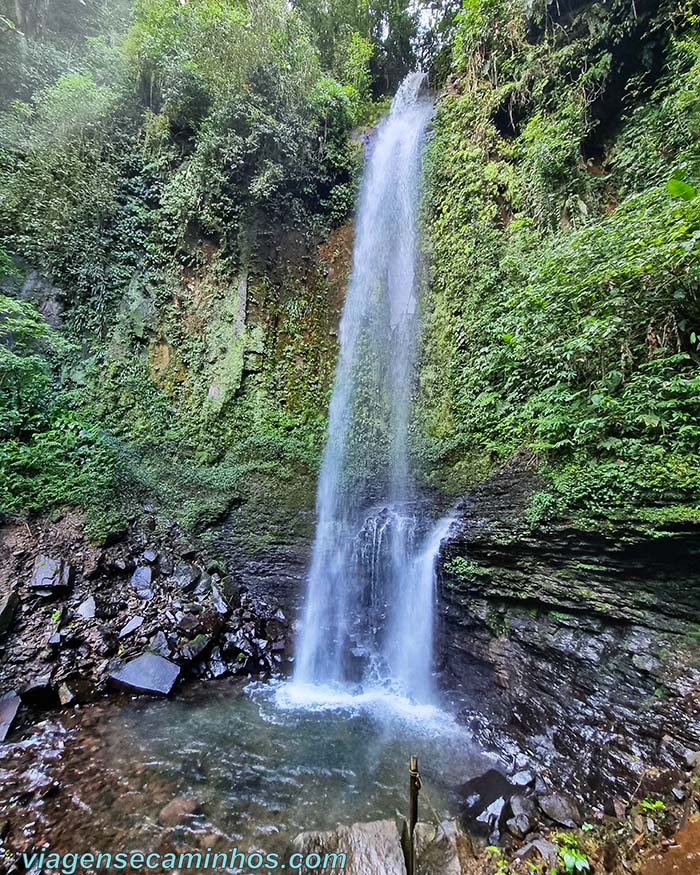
(414, 785)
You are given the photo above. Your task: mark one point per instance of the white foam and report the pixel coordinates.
(379, 702)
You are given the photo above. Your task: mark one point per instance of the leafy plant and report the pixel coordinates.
(569, 855)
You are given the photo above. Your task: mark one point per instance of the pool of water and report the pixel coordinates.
(262, 762)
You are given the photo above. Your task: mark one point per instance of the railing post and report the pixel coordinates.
(414, 785)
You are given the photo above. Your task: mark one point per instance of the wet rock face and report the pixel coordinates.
(8, 606)
(579, 650)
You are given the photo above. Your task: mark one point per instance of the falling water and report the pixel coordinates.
(369, 604)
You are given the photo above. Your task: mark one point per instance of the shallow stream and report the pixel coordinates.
(261, 762)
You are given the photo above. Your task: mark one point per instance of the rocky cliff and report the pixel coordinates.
(579, 647)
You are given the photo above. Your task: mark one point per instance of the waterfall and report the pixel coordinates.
(369, 607)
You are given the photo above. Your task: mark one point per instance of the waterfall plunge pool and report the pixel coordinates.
(260, 761)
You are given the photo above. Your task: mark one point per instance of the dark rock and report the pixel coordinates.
(39, 692)
(9, 706)
(159, 644)
(188, 552)
(448, 851)
(133, 624)
(217, 666)
(87, 609)
(50, 575)
(230, 592)
(147, 673)
(561, 809)
(193, 649)
(490, 818)
(118, 566)
(582, 664)
(519, 826)
(165, 565)
(538, 848)
(203, 587)
(482, 791)
(275, 630)
(141, 582)
(523, 806)
(236, 642)
(8, 606)
(55, 640)
(185, 576)
(188, 624)
(217, 600)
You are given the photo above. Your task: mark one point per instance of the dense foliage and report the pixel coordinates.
(167, 171)
(175, 181)
(565, 308)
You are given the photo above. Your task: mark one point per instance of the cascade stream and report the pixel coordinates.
(369, 605)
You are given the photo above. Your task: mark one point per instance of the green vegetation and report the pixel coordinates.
(651, 806)
(175, 185)
(569, 855)
(565, 315)
(167, 173)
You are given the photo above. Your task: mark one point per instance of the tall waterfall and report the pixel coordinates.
(370, 598)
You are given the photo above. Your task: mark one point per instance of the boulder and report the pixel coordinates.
(522, 779)
(522, 805)
(165, 565)
(51, 575)
(9, 706)
(485, 798)
(141, 582)
(490, 819)
(131, 626)
(148, 673)
(87, 609)
(448, 852)
(230, 592)
(371, 848)
(150, 556)
(8, 606)
(185, 576)
(519, 826)
(561, 809)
